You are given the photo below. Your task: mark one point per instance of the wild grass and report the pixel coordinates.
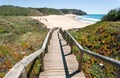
(19, 36)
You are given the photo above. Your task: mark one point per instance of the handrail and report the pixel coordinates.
(104, 58)
(93, 54)
(17, 69)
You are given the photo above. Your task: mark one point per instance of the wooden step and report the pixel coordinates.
(58, 63)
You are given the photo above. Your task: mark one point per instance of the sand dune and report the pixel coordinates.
(65, 21)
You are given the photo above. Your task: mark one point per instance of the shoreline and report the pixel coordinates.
(65, 22)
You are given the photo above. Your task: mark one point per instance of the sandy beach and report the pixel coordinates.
(65, 21)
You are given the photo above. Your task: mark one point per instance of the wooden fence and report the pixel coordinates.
(70, 40)
(19, 71)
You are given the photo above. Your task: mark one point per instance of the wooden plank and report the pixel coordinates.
(72, 63)
(54, 67)
(55, 63)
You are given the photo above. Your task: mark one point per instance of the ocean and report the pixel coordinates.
(91, 17)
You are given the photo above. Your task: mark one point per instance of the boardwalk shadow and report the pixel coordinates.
(67, 54)
(74, 73)
(68, 75)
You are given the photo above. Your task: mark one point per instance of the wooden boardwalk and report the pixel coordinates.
(59, 63)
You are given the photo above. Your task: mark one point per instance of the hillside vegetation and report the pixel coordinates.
(73, 11)
(113, 15)
(50, 11)
(8, 10)
(105, 39)
(19, 36)
(18, 11)
(102, 38)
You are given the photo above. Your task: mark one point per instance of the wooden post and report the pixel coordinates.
(42, 61)
(50, 37)
(63, 34)
(49, 40)
(31, 68)
(23, 74)
(46, 49)
(71, 45)
(67, 38)
(118, 73)
(60, 30)
(80, 62)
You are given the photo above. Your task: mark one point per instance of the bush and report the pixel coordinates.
(113, 15)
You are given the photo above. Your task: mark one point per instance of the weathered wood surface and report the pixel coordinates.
(58, 62)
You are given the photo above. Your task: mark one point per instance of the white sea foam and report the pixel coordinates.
(91, 17)
(88, 19)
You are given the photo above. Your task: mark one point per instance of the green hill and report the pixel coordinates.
(73, 11)
(7, 10)
(50, 11)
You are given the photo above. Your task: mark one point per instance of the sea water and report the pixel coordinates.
(91, 17)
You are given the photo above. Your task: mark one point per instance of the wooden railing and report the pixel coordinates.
(19, 71)
(70, 40)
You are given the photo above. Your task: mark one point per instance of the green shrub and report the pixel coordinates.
(113, 15)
